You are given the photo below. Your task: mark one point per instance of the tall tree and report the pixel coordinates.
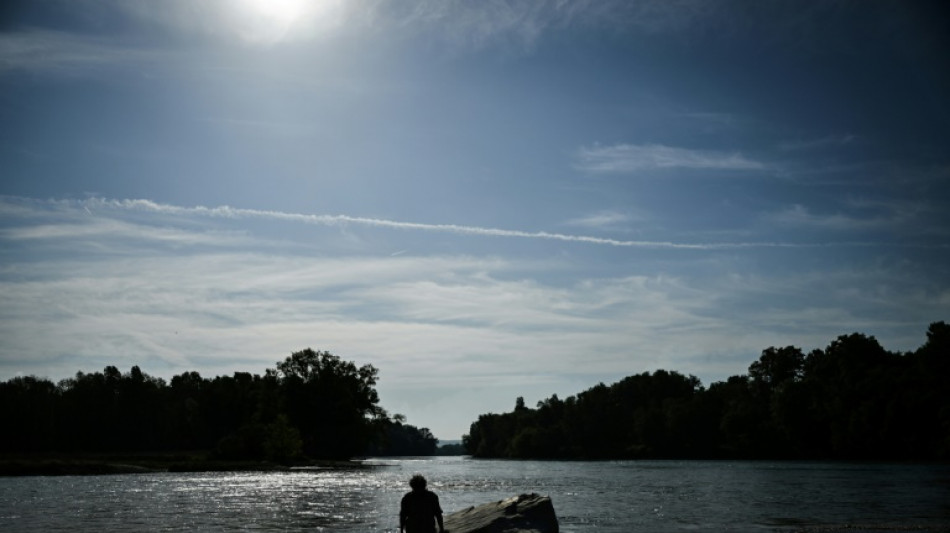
(332, 402)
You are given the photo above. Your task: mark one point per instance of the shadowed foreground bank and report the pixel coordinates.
(872, 528)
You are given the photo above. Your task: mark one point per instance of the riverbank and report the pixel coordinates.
(99, 464)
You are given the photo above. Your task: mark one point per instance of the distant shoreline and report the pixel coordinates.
(106, 464)
(96, 465)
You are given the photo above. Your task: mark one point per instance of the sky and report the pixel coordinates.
(482, 199)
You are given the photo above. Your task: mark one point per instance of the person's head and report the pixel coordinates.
(417, 482)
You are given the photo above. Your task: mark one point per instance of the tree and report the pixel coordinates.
(927, 396)
(853, 381)
(777, 365)
(282, 442)
(330, 401)
(28, 414)
(400, 439)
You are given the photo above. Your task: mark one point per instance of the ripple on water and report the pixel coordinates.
(610, 496)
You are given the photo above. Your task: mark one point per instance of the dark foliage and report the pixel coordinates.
(852, 400)
(312, 405)
(451, 449)
(400, 439)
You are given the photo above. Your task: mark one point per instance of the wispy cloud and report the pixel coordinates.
(31, 46)
(457, 24)
(799, 215)
(524, 23)
(815, 144)
(85, 225)
(601, 220)
(245, 309)
(92, 226)
(868, 216)
(632, 158)
(64, 53)
(433, 322)
(346, 220)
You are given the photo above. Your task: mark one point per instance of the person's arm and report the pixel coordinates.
(438, 513)
(402, 516)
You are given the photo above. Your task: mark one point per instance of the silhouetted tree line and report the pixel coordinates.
(399, 438)
(451, 449)
(313, 404)
(851, 400)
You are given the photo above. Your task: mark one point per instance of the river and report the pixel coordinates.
(609, 497)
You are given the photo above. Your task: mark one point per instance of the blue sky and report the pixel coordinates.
(484, 200)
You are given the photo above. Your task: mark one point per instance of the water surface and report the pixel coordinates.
(643, 496)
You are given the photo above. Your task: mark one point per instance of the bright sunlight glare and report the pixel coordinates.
(283, 12)
(273, 21)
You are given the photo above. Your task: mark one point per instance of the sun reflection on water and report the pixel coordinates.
(643, 496)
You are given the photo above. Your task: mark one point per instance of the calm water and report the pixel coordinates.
(643, 496)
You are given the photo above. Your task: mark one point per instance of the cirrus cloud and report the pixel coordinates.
(632, 158)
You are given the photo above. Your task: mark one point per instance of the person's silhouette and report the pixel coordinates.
(420, 511)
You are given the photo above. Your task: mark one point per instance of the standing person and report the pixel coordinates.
(420, 510)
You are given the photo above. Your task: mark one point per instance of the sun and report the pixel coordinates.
(279, 12)
(273, 21)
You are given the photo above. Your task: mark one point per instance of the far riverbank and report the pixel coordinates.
(105, 464)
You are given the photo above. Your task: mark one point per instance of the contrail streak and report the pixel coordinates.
(343, 220)
(13, 204)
